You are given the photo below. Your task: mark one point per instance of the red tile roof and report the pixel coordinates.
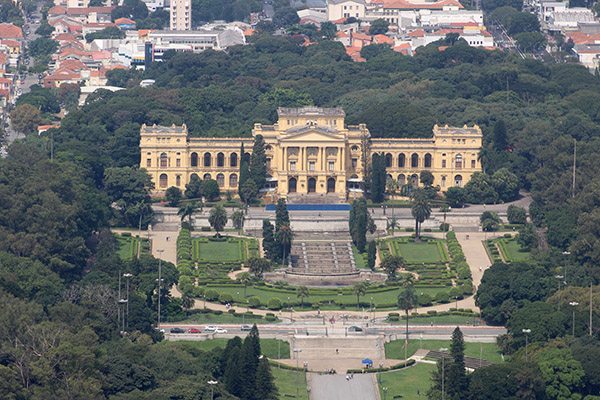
(10, 31)
(340, 21)
(417, 33)
(383, 39)
(361, 36)
(341, 34)
(75, 65)
(89, 10)
(9, 42)
(4, 80)
(457, 24)
(65, 36)
(57, 10)
(124, 21)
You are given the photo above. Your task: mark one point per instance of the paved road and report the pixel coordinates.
(336, 387)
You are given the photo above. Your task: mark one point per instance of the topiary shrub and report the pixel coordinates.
(274, 303)
(225, 298)
(254, 302)
(211, 294)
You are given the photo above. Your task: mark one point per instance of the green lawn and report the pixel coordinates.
(387, 297)
(358, 259)
(219, 251)
(395, 349)
(269, 347)
(407, 382)
(420, 252)
(127, 246)
(224, 318)
(285, 380)
(441, 320)
(515, 251)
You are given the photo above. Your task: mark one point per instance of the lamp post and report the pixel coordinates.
(123, 302)
(291, 310)
(371, 310)
(574, 304)
(297, 351)
(526, 331)
(128, 275)
(559, 277)
(159, 251)
(212, 393)
(384, 392)
(566, 253)
(443, 351)
(305, 370)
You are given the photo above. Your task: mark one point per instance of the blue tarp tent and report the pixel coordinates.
(368, 362)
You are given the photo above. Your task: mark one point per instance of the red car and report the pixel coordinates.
(194, 330)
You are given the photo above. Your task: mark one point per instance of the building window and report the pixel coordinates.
(472, 163)
(331, 165)
(444, 181)
(178, 180)
(206, 177)
(220, 160)
(458, 161)
(221, 180)
(354, 163)
(163, 181)
(194, 159)
(414, 160)
(458, 181)
(178, 162)
(292, 165)
(443, 163)
(233, 160)
(207, 159)
(233, 181)
(401, 161)
(427, 160)
(268, 163)
(311, 165)
(388, 160)
(163, 160)
(148, 162)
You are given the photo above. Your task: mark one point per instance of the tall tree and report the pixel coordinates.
(407, 300)
(173, 196)
(244, 170)
(378, 178)
(265, 383)
(457, 383)
(302, 292)
(238, 219)
(218, 218)
(188, 210)
(258, 162)
(421, 210)
(499, 136)
(391, 264)
(269, 244)
(371, 255)
(26, 119)
(193, 190)
(360, 289)
(282, 217)
(284, 238)
(245, 279)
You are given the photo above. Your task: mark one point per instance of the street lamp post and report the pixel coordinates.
(305, 371)
(384, 392)
(212, 393)
(123, 302)
(297, 351)
(526, 331)
(443, 351)
(128, 275)
(559, 277)
(574, 304)
(566, 253)
(291, 310)
(371, 310)
(159, 251)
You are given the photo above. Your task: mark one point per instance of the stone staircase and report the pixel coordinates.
(314, 198)
(326, 258)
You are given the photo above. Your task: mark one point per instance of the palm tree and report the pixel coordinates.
(421, 210)
(445, 209)
(284, 237)
(244, 279)
(187, 302)
(302, 293)
(188, 210)
(238, 219)
(407, 300)
(393, 224)
(218, 218)
(360, 289)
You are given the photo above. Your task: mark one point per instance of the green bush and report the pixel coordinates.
(442, 297)
(274, 303)
(225, 298)
(205, 229)
(270, 319)
(211, 294)
(409, 229)
(254, 302)
(198, 291)
(126, 234)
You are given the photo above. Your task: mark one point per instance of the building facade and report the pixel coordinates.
(310, 150)
(181, 15)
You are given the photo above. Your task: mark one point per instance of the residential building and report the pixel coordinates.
(181, 15)
(337, 9)
(310, 150)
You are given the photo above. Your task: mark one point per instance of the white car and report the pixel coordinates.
(221, 330)
(210, 328)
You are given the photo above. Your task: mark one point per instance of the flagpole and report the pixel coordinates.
(480, 355)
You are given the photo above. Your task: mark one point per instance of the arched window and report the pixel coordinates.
(388, 178)
(401, 180)
(401, 160)
(233, 182)
(427, 160)
(163, 180)
(414, 180)
(220, 160)
(247, 157)
(233, 160)
(221, 180)
(414, 160)
(194, 159)
(206, 177)
(458, 181)
(207, 159)
(192, 176)
(163, 160)
(458, 161)
(178, 180)
(388, 160)
(443, 180)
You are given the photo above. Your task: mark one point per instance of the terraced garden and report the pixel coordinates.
(508, 247)
(129, 246)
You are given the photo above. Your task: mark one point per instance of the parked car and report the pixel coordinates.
(177, 330)
(194, 330)
(246, 328)
(221, 330)
(210, 328)
(355, 329)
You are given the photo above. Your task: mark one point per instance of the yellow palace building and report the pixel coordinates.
(310, 150)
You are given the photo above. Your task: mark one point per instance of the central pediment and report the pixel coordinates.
(312, 134)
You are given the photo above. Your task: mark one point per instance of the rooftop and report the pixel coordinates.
(310, 111)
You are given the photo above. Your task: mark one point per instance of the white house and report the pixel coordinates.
(337, 9)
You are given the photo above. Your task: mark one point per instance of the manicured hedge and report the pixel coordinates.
(394, 367)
